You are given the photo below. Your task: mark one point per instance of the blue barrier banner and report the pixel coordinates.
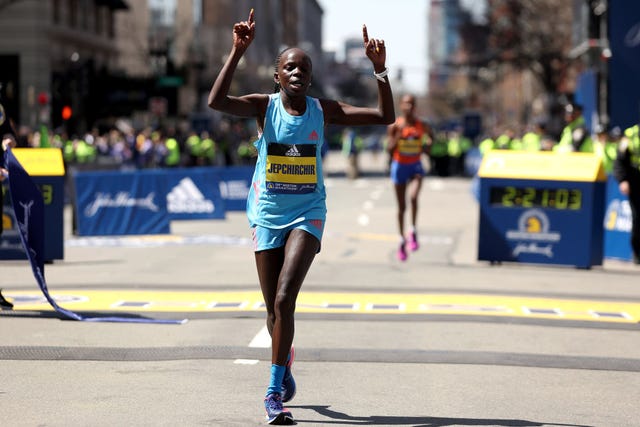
(28, 208)
(121, 203)
(194, 193)
(472, 161)
(586, 95)
(617, 224)
(235, 185)
(624, 64)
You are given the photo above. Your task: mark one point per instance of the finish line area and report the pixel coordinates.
(140, 301)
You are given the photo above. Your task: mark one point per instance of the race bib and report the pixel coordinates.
(291, 168)
(410, 147)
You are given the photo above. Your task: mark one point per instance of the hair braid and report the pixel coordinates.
(276, 86)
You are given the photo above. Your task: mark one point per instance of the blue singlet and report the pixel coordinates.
(288, 185)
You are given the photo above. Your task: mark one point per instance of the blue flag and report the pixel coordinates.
(28, 208)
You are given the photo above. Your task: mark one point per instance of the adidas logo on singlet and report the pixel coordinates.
(292, 152)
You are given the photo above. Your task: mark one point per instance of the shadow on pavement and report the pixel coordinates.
(47, 314)
(340, 418)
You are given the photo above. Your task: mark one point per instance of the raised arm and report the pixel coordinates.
(344, 114)
(219, 98)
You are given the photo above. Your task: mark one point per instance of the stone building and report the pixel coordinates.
(48, 51)
(109, 58)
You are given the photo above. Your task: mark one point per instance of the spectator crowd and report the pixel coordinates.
(231, 143)
(123, 146)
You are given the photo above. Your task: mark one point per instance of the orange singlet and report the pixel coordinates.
(409, 148)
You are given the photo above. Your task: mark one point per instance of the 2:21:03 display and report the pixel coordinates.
(530, 197)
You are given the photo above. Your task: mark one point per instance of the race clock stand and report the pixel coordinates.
(541, 208)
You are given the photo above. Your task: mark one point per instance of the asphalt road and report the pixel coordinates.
(440, 340)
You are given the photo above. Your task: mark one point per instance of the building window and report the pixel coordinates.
(72, 11)
(111, 24)
(56, 11)
(84, 16)
(98, 19)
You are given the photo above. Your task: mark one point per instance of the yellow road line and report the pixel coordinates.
(334, 302)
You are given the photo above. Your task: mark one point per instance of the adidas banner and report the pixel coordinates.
(121, 203)
(143, 202)
(28, 208)
(194, 193)
(235, 185)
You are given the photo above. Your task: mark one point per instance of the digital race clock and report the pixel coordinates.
(541, 208)
(531, 197)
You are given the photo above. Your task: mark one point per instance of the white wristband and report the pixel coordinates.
(382, 74)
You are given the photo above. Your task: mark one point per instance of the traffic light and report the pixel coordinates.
(66, 112)
(43, 98)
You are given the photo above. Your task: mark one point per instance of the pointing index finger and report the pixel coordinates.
(365, 35)
(251, 16)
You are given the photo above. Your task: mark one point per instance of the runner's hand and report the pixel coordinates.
(375, 50)
(244, 33)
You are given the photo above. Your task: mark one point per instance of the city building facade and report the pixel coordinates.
(100, 59)
(48, 51)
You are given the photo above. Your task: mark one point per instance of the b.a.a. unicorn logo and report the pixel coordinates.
(24, 226)
(533, 225)
(533, 236)
(618, 216)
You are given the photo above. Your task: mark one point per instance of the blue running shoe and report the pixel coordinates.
(288, 383)
(276, 414)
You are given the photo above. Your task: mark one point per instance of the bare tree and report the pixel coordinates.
(533, 35)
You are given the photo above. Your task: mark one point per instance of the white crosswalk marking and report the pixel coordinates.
(262, 339)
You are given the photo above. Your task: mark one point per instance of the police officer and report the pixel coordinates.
(575, 135)
(193, 147)
(533, 140)
(172, 158)
(626, 170)
(458, 146)
(207, 150)
(439, 155)
(605, 148)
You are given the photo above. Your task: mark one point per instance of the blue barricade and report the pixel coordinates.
(472, 161)
(234, 186)
(194, 193)
(617, 224)
(145, 201)
(121, 203)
